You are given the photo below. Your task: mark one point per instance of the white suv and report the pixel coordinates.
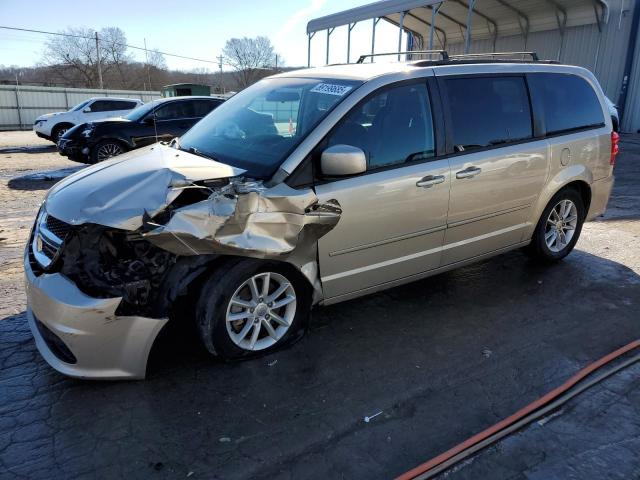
(53, 125)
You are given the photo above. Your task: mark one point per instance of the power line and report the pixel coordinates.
(135, 47)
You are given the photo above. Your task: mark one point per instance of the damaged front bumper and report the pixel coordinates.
(82, 336)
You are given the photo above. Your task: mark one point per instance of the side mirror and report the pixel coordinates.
(149, 120)
(86, 110)
(343, 160)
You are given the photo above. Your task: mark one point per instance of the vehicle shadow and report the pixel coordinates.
(29, 149)
(41, 180)
(442, 358)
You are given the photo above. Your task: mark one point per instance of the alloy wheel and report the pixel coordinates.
(561, 225)
(261, 311)
(109, 150)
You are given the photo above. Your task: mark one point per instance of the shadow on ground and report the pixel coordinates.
(41, 180)
(441, 359)
(29, 149)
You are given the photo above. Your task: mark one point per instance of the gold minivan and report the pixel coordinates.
(309, 188)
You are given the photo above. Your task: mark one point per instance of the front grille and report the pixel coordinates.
(48, 237)
(57, 227)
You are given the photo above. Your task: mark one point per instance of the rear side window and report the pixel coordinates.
(568, 102)
(111, 105)
(203, 107)
(125, 105)
(488, 111)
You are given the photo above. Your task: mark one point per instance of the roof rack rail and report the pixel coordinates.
(443, 54)
(533, 55)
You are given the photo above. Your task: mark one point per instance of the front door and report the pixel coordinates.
(498, 168)
(394, 215)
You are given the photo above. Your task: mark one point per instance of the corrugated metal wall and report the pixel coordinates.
(604, 53)
(20, 106)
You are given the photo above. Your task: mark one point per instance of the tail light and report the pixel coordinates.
(615, 147)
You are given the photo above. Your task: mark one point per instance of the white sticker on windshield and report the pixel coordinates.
(331, 89)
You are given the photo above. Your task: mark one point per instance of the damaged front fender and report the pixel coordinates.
(261, 222)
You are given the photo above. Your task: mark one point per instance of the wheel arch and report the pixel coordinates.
(577, 177)
(59, 125)
(185, 279)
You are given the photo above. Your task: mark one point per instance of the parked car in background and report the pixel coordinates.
(159, 120)
(53, 125)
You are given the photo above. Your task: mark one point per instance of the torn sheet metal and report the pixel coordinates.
(119, 192)
(248, 219)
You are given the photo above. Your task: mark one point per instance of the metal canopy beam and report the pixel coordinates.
(523, 19)
(431, 28)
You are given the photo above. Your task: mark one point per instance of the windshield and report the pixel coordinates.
(257, 129)
(139, 112)
(80, 106)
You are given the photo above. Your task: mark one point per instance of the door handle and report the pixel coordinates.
(429, 181)
(468, 172)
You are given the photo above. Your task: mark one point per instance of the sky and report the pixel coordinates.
(190, 27)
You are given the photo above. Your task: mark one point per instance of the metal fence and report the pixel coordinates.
(21, 105)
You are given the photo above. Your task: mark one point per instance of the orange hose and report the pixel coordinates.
(443, 457)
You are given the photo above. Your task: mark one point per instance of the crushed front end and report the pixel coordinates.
(115, 245)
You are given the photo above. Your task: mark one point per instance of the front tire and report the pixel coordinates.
(58, 131)
(106, 149)
(559, 227)
(248, 307)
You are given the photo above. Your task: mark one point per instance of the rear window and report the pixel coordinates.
(488, 111)
(568, 102)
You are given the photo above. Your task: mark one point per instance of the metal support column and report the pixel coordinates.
(310, 35)
(329, 32)
(561, 18)
(401, 25)
(467, 39)
(349, 28)
(18, 105)
(373, 37)
(435, 9)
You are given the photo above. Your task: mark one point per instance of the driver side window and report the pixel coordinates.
(392, 127)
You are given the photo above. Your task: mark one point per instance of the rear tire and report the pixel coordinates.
(559, 227)
(238, 318)
(106, 149)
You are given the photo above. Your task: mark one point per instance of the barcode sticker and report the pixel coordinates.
(331, 89)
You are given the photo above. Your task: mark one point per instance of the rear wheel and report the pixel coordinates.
(559, 226)
(106, 149)
(249, 307)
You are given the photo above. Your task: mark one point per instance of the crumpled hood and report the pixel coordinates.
(117, 193)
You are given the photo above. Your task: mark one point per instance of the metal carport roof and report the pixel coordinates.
(456, 21)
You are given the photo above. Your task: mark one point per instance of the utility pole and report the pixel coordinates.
(276, 62)
(219, 57)
(99, 65)
(146, 56)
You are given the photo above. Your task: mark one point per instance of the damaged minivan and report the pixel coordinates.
(309, 188)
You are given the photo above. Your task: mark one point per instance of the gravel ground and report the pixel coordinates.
(21, 153)
(441, 359)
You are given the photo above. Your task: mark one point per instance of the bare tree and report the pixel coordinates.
(250, 58)
(157, 60)
(75, 58)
